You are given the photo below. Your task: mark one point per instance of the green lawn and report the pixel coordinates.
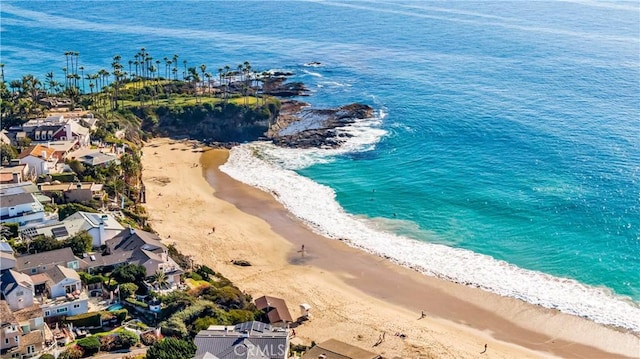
(190, 100)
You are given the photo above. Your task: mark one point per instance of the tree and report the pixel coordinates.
(90, 345)
(7, 153)
(129, 273)
(172, 348)
(80, 243)
(76, 166)
(127, 290)
(159, 279)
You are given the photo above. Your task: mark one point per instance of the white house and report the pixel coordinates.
(21, 208)
(66, 296)
(40, 158)
(23, 333)
(17, 289)
(101, 227)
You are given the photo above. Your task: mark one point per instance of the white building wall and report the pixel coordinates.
(20, 298)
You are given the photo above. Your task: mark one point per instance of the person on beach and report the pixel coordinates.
(422, 315)
(485, 349)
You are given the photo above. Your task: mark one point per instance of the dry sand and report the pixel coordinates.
(355, 297)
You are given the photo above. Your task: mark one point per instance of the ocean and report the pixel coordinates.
(505, 150)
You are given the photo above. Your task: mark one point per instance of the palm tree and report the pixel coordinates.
(82, 77)
(203, 69)
(2, 72)
(49, 76)
(159, 279)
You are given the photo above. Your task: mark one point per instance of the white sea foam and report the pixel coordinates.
(311, 73)
(270, 168)
(364, 133)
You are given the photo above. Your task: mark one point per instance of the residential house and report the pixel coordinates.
(74, 192)
(98, 158)
(21, 208)
(61, 148)
(57, 128)
(42, 262)
(17, 289)
(100, 226)
(14, 173)
(275, 309)
(9, 332)
(137, 247)
(56, 229)
(25, 333)
(40, 158)
(335, 349)
(64, 295)
(250, 340)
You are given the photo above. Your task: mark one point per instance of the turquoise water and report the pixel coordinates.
(507, 131)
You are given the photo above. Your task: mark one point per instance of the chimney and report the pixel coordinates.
(79, 185)
(15, 178)
(44, 154)
(68, 132)
(131, 230)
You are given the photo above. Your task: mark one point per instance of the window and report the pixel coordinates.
(62, 310)
(47, 313)
(6, 340)
(20, 293)
(76, 306)
(31, 349)
(34, 270)
(17, 339)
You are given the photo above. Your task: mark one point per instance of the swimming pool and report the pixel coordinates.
(114, 307)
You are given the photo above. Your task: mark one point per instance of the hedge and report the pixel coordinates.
(137, 303)
(91, 319)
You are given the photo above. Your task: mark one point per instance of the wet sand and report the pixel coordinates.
(355, 296)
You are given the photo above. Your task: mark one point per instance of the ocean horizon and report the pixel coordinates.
(505, 148)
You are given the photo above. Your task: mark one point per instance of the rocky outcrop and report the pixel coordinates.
(276, 86)
(308, 127)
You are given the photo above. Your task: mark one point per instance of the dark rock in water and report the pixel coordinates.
(276, 86)
(320, 128)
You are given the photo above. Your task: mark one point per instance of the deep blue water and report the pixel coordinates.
(512, 129)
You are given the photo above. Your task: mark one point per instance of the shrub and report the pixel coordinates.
(148, 338)
(108, 343)
(137, 303)
(121, 314)
(126, 339)
(90, 345)
(73, 352)
(172, 348)
(47, 356)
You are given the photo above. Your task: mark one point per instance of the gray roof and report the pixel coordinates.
(130, 246)
(13, 200)
(58, 256)
(58, 273)
(249, 340)
(97, 158)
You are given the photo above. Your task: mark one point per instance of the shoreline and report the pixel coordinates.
(355, 295)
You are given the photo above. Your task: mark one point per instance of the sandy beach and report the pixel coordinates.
(355, 297)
